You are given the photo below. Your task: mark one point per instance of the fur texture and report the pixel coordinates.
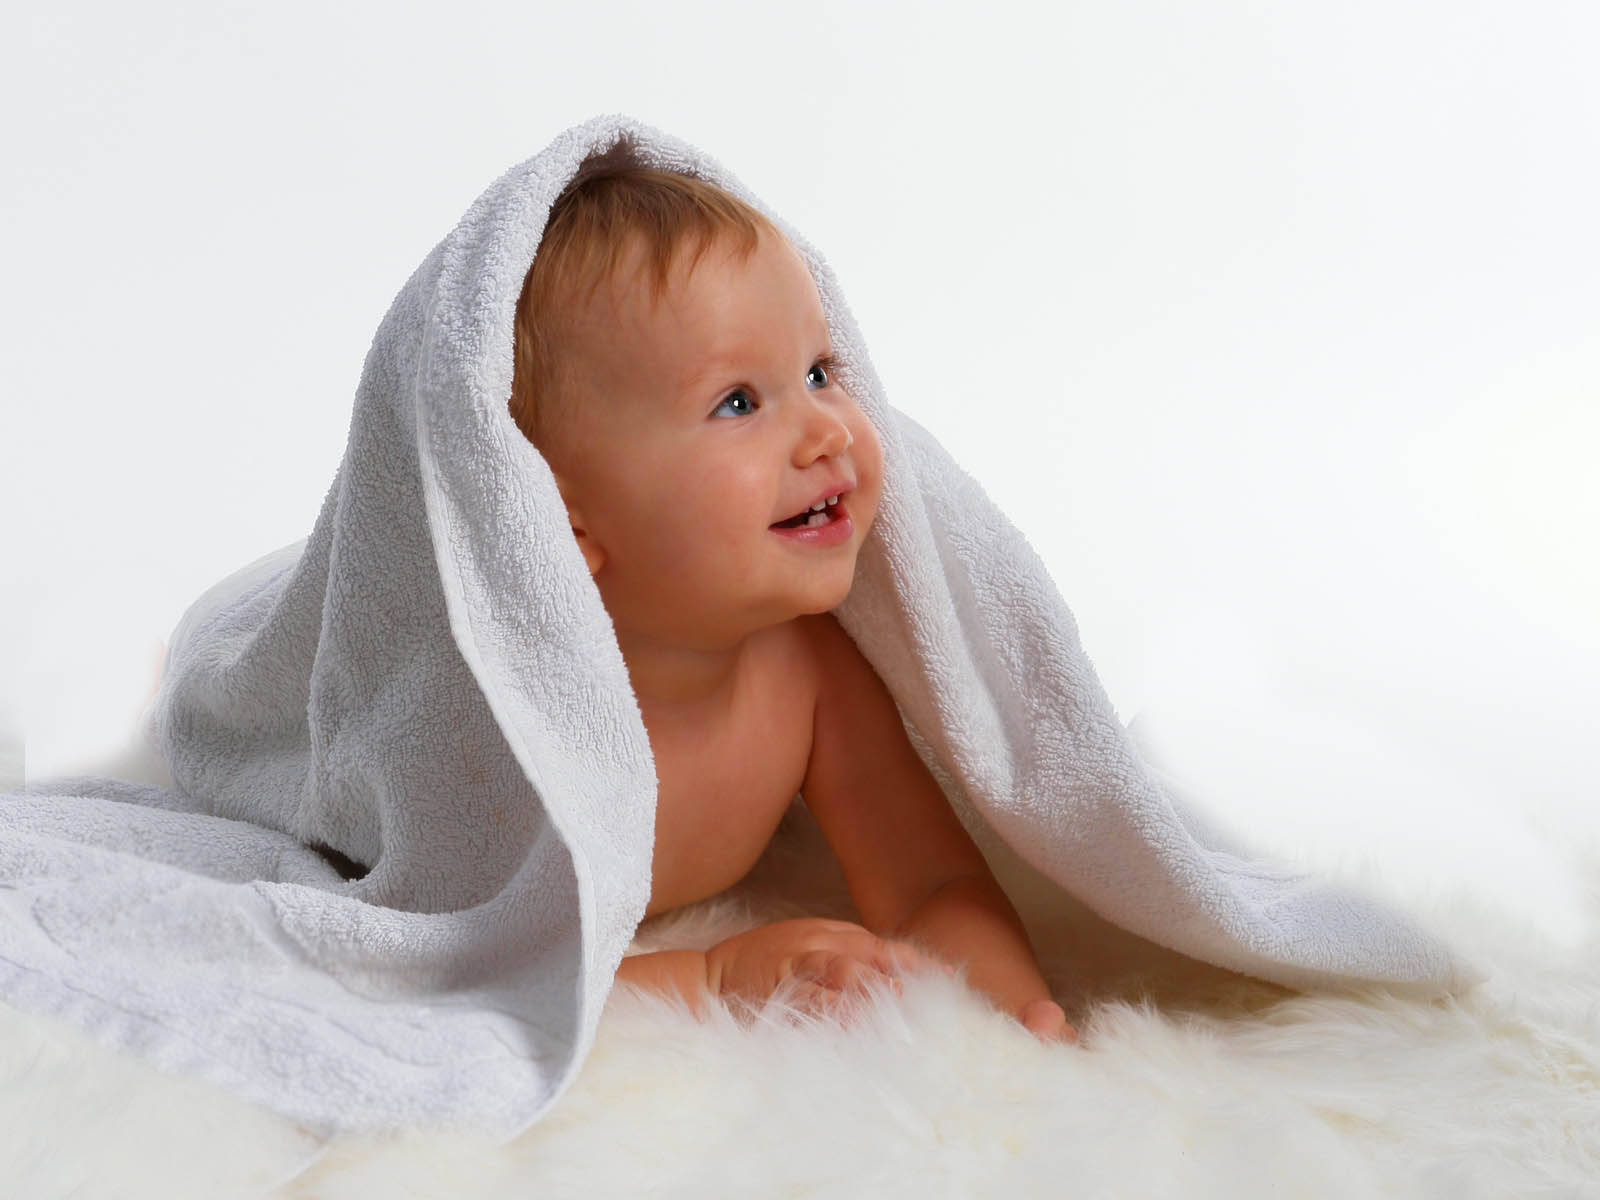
(1189, 1080)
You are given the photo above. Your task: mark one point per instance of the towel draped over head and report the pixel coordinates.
(410, 834)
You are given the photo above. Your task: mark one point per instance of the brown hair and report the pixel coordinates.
(609, 198)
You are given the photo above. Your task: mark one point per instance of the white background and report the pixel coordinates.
(1276, 328)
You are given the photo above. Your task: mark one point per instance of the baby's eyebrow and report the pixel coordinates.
(719, 370)
(717, 365)
(696, 377)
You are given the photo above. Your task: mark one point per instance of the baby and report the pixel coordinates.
(673, 367)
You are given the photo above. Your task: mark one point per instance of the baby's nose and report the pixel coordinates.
(829, 435)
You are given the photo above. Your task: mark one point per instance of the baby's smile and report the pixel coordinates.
(825, 523)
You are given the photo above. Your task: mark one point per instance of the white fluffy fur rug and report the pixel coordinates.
(1189, 1081)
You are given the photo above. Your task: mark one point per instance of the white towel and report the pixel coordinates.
(430, 685)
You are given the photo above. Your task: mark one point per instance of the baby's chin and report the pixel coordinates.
(823, 600)
(773, 611)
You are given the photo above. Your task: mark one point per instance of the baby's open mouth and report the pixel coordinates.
(821, 513)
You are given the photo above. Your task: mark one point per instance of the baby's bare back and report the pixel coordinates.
(727, 773)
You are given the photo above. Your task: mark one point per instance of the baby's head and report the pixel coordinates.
(675, 369)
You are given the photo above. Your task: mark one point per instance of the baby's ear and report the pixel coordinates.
(593, 555)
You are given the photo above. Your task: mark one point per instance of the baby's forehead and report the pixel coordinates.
(635, 288)
(663, 299)
(627, 282)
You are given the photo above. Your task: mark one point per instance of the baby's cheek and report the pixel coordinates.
(870, 466)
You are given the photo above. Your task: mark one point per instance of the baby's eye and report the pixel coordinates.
(819, 368)
(734, 396)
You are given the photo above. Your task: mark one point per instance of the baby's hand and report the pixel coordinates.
(1047, 1020)
(829, 961)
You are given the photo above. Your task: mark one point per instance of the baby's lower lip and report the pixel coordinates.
(838, 529)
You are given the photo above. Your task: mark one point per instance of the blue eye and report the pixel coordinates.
(736, 394)
(817, 377)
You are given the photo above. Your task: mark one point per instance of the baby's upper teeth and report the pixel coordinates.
(822, 504)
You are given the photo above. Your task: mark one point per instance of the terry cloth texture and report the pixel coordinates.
(429, 690)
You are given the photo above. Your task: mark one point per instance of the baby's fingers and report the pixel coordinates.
(843, 972)
(1048, 1021)
(814, 999)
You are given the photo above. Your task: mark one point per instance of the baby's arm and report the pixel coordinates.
(683, 972)
(970, 920)
(910, 866)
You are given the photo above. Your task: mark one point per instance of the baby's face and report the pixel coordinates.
(697, 425)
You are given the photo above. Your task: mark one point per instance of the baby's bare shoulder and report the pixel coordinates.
(829, 652)
(813, 653)
(799, 660)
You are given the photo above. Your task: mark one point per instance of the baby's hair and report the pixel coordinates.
(611, 196)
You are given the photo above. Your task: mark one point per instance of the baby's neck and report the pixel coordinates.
(681, 677)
